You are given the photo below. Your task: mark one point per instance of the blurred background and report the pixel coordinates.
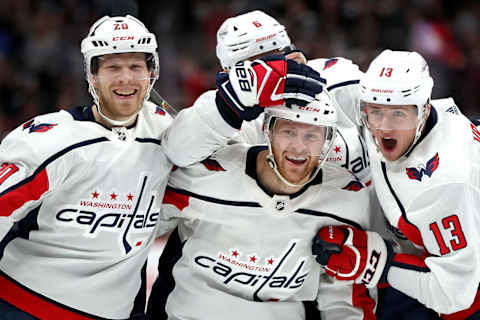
(41, 68)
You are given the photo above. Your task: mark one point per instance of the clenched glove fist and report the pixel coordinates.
(348, 253)
(269, 81)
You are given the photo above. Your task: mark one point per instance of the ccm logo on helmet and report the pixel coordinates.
(123, 38)
(308, 108)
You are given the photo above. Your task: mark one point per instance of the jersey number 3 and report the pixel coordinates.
(453, 224)
(6, 170)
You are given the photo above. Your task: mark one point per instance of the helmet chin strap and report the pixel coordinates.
(117, 123)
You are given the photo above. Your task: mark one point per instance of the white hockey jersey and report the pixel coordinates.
(432, 197)
(79, 205)
(247, 254)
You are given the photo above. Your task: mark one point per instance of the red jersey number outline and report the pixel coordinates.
(6, 170)
(451, 223)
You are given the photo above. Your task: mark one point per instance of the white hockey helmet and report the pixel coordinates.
(110, 35)
(397, 78)
(242, 37)
(320, 112)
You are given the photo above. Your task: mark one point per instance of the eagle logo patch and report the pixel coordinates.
(430, 167)
(40, 127)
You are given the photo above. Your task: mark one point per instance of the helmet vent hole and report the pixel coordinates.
(315, 119)
(114, 47)
(388, 99)
(261, 47)
(235, 28)
(298, 116)
(274, 43)
(374, 98)
(131, 46)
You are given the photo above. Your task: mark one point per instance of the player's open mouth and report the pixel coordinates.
(125, 93)
(388, 143)
(296, 160)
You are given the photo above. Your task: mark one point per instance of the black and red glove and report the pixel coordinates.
(269, 81)
(348, 253)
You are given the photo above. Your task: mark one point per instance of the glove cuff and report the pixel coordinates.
(376, 260)
(228, 114)
(390, 255)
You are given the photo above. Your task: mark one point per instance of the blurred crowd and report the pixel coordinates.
(41, 67)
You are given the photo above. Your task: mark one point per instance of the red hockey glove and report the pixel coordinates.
(269, 81)
(348, 253)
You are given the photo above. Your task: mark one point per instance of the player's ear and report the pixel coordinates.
(427, 111)
(94, 80)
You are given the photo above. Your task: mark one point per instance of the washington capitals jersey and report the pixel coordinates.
(79, 205)
(431, 197)
(247, 253)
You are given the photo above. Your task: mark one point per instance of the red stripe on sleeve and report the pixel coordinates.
(410, 231)
(362, 300)
(410, 259)
(34, 305)
(32, 190)
(178, 200)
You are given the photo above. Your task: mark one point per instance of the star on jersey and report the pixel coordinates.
(337, 149)
(428, 169)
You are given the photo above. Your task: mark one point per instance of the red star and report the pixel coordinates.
(270, 261)
(113, 196)
(337, 149)
(253, 259)
(235, 253)
(130, 197)
(95, 195)
(138, 243)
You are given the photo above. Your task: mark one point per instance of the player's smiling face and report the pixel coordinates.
(121, 83)
(393, 127)
(297, 148)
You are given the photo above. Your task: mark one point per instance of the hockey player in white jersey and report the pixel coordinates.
(247, 215)
(253, 35)
(81, 190)
(424, 158)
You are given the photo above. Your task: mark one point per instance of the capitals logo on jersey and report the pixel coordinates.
(329, 63)
(40, 127)
(430, 167)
